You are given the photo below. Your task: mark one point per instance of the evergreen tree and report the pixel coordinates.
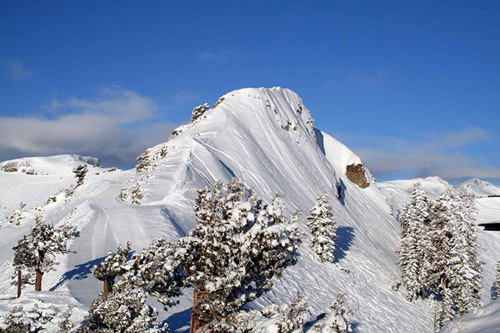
(284, 318)
(80, 173)
(125, 311)
(37, 250)
(199, 111)
(415, 243)
(447, 309)
(463, 268)
(14, 322)
(323, 229)
(337, 321)
(111, 267)
(496, 287)
(237, 246)
(440, 233)
(157, 271)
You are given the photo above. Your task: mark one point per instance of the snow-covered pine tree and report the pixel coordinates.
(80, 173)
(37, 250)
(440, 234)
(496, 287)
(463, 268)
(337, 321)
(124, 311)
(447, 310)
(199, 111)
(111, 267)
(323, 229)
(66, 325)
(296, 315)
(415, 243)
(14, 323)
(233, 252)
(157, 271)
(284, 318)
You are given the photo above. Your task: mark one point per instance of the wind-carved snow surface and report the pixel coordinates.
(267, 138)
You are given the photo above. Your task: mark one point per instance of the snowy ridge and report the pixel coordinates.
(26, 191)
(479, 187)
(267, 138)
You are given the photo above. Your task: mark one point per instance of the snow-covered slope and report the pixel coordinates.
(484, 320)
(267, 138)
(27, 183)
(479, 187)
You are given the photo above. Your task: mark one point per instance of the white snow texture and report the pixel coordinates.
(267, 138)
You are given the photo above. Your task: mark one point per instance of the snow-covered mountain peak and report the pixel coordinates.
(246, 132)
(479, 187)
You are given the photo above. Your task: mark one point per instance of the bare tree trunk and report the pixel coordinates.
(19, 281)
(194, 322)
(38, 281)
(106, 289)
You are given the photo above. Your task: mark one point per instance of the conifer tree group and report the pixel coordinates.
(233, 252)
(438, 253)
(231, 257)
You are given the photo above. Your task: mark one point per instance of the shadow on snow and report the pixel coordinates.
(345, 236)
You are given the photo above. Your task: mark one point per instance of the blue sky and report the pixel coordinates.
(413, 87)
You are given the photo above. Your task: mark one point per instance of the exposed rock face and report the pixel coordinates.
(356, 174)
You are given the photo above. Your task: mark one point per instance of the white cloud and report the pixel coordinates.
(434, 155)
(17, 71)
(116, 125)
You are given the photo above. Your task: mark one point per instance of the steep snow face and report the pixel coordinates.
(267, 138)
(479, 187)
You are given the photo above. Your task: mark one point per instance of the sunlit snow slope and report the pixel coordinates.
(267, 138)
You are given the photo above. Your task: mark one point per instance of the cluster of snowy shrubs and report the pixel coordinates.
(437, 255)
(230, 258)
